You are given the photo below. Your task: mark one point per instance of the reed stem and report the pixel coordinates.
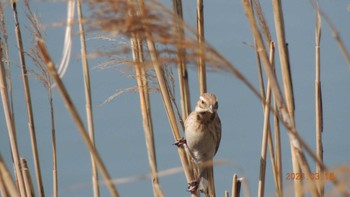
(88, 99)
(296, 141)
(168, 106)
(7, 60)
(76, 118)
(318, 99)
(335, 33)
(166, 99)
(137, 52)
(201, 39)
(266, 133)
(27, 179)
(6, 179)
(287, 81)
(147, 122)
(30, 114)
(181, 67)
(278, 158)
(11, 128)
(236, 186)
(2, 187)
(53, 141)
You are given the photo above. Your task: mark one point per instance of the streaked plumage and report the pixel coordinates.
(203, 133)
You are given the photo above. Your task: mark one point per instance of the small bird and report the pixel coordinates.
(203, 135)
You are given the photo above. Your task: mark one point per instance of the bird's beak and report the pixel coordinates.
(211, 110)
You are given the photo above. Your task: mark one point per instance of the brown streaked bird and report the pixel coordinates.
(203, 135)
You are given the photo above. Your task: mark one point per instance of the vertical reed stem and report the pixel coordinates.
(27, 179)
(201, 39)
(30, 115)
(3, 191)
(287, 82)
(76, 118)
(11, 128)
(53, 134)
(236, 186)
(137, 52)
(7, 59)
(146, 116)
(5, 176)
(296, 141)
(168, 106)
(166, 99)
(181, 67)
(278, 158)
(88, 99)
(266, 132)
(203, 79)
(318, 99)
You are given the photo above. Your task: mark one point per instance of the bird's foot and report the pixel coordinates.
(193, 186)
(180, 142)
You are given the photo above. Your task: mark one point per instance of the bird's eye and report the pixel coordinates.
(203, 102)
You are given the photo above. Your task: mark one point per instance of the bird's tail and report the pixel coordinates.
(206, 182)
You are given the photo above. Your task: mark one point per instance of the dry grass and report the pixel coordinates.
(28, 98)
(159, 40)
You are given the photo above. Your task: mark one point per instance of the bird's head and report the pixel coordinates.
(207, 103)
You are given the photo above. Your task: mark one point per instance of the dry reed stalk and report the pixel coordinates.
(169, 108)
(6, 59)
(3, 191)
(30, 114)
(166, 99)
(27, 179)
(2, 188)
(273, 160)
(67, 45)
(203, 81)
(11, 128)
(295, 140)
(287, 81)
(137, 52)
(182, 69)
(263, 95)
(278, 151)
(201, 39)
(88, 105)
(6, 178)
(236, 186)
(269, 135)
(318, 99)
(334, 30)
(284, 56)
(264, 27)
(54, 147)
(227, 194)
(263, 55)
(262, 21)
(183, 75)
(298, 163)
(76, 118)
(146, 116)
(149, 135)
(266, 133)
(47, 82)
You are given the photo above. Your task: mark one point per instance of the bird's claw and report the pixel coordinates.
(193, 186)
(180, 142)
